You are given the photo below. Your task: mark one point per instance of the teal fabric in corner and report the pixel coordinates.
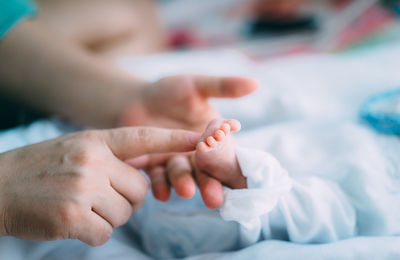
(14, 11)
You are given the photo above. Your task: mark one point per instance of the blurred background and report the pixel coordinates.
(261, 30)
(272, 28)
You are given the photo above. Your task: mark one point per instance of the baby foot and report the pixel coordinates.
(215, 153)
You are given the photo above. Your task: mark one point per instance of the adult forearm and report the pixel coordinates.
(54, 75)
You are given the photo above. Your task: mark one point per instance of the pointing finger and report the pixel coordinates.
(130, 142)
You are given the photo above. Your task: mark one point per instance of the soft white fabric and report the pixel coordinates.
(304, 115)
(361, 163)
(267, 182)
(345, 177)
(344, 183)
(314, 211)
(36, 132)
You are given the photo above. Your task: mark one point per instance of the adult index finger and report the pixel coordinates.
(129, 142)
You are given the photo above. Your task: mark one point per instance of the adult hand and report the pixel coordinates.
(77, 186)
(179, 171)
(182, 101)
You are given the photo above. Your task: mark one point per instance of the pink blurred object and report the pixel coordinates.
(372, 21)
(185, 38)
(215, 24)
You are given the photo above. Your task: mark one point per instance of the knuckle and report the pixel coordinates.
(175, 136)
(81, 165)
(143, 189)
(141, 193)
(88, 135)
(143, 135)
(80, 157)
(102, 236)
(69, 213)
(73, 140)
(123, 216)
(143, 132)
(126, 216)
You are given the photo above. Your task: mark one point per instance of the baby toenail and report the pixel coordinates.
(234, 124)
(219, 135)
(211, 141)
(226, 128)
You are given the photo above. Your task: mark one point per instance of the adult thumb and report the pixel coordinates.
(130, 142)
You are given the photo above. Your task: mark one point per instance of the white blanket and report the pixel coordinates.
(306, 110)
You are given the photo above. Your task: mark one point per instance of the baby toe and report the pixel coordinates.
(226, 128)
(211, 141)
(234, 124)
(202, 146)
(219, 135)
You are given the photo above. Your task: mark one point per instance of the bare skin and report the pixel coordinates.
(66, 78)
(109, 28)
(63, 55)
(78, 186)
(212, 165)
(215, 153)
